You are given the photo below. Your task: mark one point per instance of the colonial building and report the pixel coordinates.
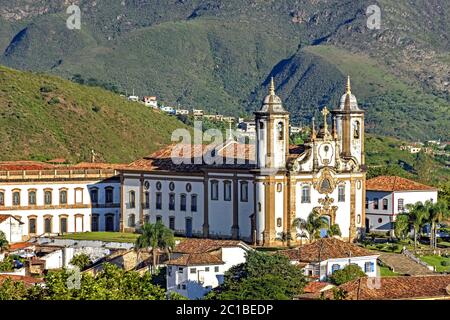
(56, 199)
(255, 193)
(388, 196)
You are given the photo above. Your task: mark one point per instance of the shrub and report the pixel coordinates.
(96, 108)
(445, 263)
(349, 273)
(46, 89)
(81, 261)
(54, 100)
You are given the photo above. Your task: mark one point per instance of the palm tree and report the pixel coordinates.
(155, 237)
(3, 242)
(334, 230)
(417, 214)
(313, 224)
(300, 223)
(437, 212)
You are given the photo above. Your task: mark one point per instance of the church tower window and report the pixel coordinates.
(341, 193)
(280, 129)
(356, 129)
(306, 194)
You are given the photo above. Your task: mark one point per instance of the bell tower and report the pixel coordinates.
(272, 132)
(350, 126)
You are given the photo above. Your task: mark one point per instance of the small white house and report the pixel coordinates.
(323, 257)
(150, 101)
(182, 111)
(11, 227)
(198, 265)
(387, 196)
(169, 110)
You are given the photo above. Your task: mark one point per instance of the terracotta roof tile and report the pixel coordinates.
(25, 279)
(329, 248)
(19, 246)
(392, 288)
(316, 286)
(196, 259)
(204, 245)
(4, 217)
(394, 183)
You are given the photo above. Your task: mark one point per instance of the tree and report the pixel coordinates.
(81, 261)
(314, 223)
(437, 212)
(349, 273)
(417, 214)
(402, 226)
(12, 290)
(334, 230)
(300, 223)
(155, 237)
(423, 166)
(261, 277)
(3, 242)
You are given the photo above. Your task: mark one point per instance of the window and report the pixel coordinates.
(227, 190)
(169, 271)
(279, 187)
(48, 225)
(132, 199)
(47, 197)
(183, 287)
(341, 193)
(367, 203)
(259, 207)
(182, 202)
(172, 201)
(261, 125)
(147, 200)
(306, 194)
(194, 203)
(280, 129)
(94, 195)
(214, 190)
(94, 222)
(385, 204)
(131, 221)
(158, 185)
(180, 269)
(2, 198)
(193, 270)
(63, 225)
(63, 197)
(32, 225)
(32, 197)
(244, 191)
(369, 267)
(335, 267)
(171, 186)
(401, 206)
(158, 219)
(172, 223)
(380, 220)
(279, 222)
(16, 198)
(206, 269)
(158, 201)
(188, 187)
(375, 203)
(356, 130)
(147, 218)
(216, 269)
(109, 195)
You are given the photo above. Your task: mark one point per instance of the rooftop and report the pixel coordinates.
(394, 183)
(328, 248)
(393, 288)
(195, 246)
(25, 279)
(196, 259)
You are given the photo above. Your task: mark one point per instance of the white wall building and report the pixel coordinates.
(150, 101)
(11, 227)
(387, 196)
(50, 199)
(333, 255)
(198, 265)
(254, 193)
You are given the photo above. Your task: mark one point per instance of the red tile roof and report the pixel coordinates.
(25, 279)
(205, 245)
(394, 183)
(393, 288)
(315, 286)
(4, 217)
(329, 248)
(19, 246)
(24, 165)
(196, 259)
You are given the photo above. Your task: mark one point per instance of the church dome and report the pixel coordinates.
(348, 101)
(272, 103)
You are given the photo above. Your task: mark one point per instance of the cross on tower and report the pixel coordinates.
(325, 114)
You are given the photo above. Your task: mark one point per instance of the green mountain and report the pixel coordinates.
(219, 54)
(44, 117)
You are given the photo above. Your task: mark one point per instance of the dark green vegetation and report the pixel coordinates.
(44, 117)
(111, 283)
(218, 55)
(261, 277)
(349, 273)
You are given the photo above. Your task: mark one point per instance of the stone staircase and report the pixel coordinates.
(402, 264)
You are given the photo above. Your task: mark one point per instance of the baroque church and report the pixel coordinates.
(257, 197)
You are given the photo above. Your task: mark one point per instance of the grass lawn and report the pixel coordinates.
(386, 272)
(105, 236)
(436, 261)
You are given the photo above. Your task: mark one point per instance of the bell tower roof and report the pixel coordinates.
(348, 101)
(272, 103)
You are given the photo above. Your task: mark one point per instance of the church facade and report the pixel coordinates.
(258, 195)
